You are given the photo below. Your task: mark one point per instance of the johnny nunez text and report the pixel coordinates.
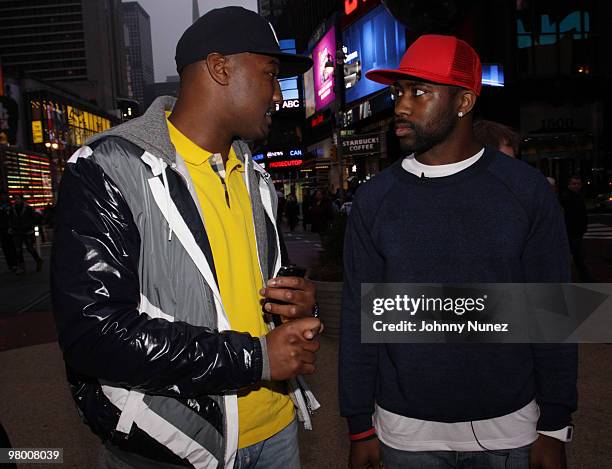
(437, 326)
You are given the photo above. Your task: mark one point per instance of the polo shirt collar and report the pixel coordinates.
(195, 155)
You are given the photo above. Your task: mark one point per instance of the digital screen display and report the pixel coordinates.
(375, 41)
(324, 56)
(289, 86)
(492, 75)
(309, 93)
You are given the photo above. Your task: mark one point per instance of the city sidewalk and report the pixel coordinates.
(21, 293)
(38, 412)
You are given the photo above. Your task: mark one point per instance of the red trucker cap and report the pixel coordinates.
(439, 59)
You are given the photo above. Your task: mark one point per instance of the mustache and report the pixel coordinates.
(404, 122)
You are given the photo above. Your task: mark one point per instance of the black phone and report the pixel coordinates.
(291, 271)
(286, 271)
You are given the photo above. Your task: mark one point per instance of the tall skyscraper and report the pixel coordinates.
(139, 49)
(271, 9)
(195, 10)
(75, 43)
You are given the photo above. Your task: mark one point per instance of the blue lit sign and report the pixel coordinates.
(258, 157)
(492, 75)
(375, 41)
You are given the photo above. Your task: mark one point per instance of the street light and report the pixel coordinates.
(53, 147)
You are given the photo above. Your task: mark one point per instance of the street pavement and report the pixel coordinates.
(37, 411)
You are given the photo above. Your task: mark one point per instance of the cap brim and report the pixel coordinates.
(388, 76)
(290, 64)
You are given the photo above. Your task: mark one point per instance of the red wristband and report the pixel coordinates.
(362, 435)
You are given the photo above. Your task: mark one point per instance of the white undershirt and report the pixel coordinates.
(411, 165)
(407, 434)
(506, 432)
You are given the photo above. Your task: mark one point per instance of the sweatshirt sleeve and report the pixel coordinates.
(358, 363)
(546, 258)
(96, 295)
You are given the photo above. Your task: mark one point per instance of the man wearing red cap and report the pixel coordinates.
(452, 211)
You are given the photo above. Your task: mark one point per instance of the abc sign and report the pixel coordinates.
(291, 104)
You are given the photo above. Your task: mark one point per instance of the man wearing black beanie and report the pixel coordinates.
(166, 249)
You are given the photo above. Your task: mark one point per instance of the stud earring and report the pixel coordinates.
(460, 113)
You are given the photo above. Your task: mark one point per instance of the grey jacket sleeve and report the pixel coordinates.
(96, 292)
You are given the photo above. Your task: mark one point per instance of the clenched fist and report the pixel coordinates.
(292, 347)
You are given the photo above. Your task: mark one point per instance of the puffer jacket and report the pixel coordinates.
(151, 359)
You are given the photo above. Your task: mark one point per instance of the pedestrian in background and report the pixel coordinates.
(321, 213)
(498, 136)
(22, 220)
(306, 204)
(576, 222)
(48, 219)
(553, 184)
(282, 204)
(292, 209)
(6, 240)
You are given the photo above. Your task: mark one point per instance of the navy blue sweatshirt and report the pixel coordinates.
(496, 221)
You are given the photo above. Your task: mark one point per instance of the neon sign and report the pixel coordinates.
(351, 5)
(317, 120)
(286, 164)
(29, 175)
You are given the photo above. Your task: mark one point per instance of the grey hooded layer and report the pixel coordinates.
(150, 356)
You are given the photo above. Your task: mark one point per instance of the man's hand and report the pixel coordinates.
(548, 453)
(295, 294)
(292, 347)
(365, 454)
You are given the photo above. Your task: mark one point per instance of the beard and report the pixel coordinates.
(429, 135)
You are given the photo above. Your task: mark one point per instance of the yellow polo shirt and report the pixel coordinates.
(265, 408)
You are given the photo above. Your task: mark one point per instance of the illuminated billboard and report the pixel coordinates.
(376, 40)
(289, 86)
(280, 159)
(57, 123)
(309, 92)
(28, 174)
(324, 56)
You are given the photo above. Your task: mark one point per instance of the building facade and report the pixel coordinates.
(170, 87)
(139, 49)
(75, 43)
(271, 9)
